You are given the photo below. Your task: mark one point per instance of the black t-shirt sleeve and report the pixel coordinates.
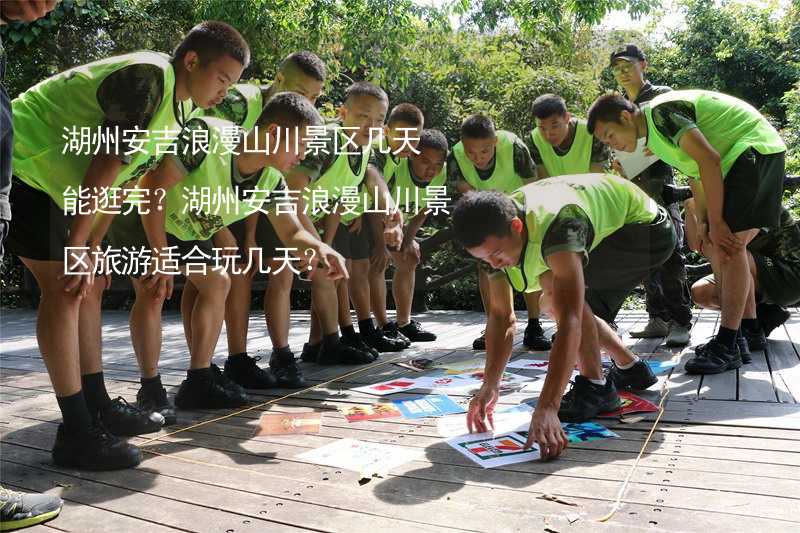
(570, 231)
(129, 98)
(523, 164)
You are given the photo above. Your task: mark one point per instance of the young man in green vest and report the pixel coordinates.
(774, 265)
(300, 72)
(319, 182)
(560, 143)
(496, 160)
(669, 304)
(246, 182)
(129, 93)
(401, 136)
(587, 240)
(736, 161)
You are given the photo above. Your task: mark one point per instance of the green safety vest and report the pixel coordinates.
(248, 93)
(504, 178)
(577, 160)
(409, 197)
(215, 173)
(391, 163)
(730, 125)
(335, 179)
(69, 99)
(609, 201)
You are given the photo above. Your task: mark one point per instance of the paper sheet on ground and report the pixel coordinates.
(357, 413)
(287, 423)
(630, 404)
(529, 364)
(389, 387)
(660, 367)
(516, 418)
(633, 163)
(458, 367)
(587, 431)
(491, 450)
(366, 458)
(429, 405)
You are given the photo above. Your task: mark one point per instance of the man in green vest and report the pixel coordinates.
(242, 183)
(300, 72)
(560, 143)
(774, 267)
(736, 161)
(136, 102)
(669, 303)
(587, 240)
(339, 162)
(496, 160)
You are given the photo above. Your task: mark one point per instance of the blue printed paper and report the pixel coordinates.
(660, 367)
(431, 405)
(587, 431)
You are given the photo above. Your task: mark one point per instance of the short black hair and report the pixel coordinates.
(289, 110)
(407, 113)
(212, 39)
(479, 215)
(306, 62)
(365, 88)
(607, 108)
(548, 105)
(433, 139)
(477, 126)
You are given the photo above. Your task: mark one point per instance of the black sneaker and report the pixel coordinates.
(126, 420)
(480, 342)
(344, 354)
(744, 349)
(20, 509)
(391, 330)
(219, 377)
(287, 374)
(713, 358)
(203, 393)
(310, 352)
(534, 338)
(415, 333)
(637, 377)
(94, 449)
(585, 400)
(756, 340)
(376, 339)
(770, 316)
(155, 399)
(243, 370)
(357, 341)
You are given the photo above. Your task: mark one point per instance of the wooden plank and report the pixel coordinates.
(755, 380)
(751, 414)
(785, 363)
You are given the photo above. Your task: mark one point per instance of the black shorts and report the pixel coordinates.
(266, 238)
(127, 231)
(623, 260)
(754, 191)
(354, 245)
(778, 280)
(40, 227)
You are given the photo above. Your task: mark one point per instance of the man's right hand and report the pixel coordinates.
(481, 409)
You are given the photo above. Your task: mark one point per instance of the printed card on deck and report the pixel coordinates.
(288, 423)
(490, 450)
(366, 458)
(660, 367)
(357, 413)
(390, 387)
(587, 431)
(630, 404)
(529, 364)
(430, 405)
(515, 418)
(443, 382)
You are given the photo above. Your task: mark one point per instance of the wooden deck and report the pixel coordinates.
(725, 455)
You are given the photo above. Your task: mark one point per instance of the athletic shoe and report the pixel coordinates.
(756, 340)
(344, 354)
(356, 341)
(637, 377)
(534, 338)
(585, 400)
(94, 449)
(18, 509)
(204, 393)
(243, 370)
(413, 330)
(126, 420)
(678, 335)
(219, 377)
(391, 330)
(713, 358)
(744, 349)
(480, 342)
(376, 339)
(286, 371)
(770, 316)
(310, 353)
(656, 327)
(155, 399)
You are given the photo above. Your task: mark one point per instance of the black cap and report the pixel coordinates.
(628, 52)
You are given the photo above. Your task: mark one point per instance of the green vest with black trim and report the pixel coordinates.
(338, 176)
(504, 178)
(216, 173)
(577, 160)
(41, 156)
(250, 96)
(730, 125)
(390, 164)
(609, 201)
(409, 197)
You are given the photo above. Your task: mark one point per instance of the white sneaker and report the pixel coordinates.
(655, 327)
(678, 335)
